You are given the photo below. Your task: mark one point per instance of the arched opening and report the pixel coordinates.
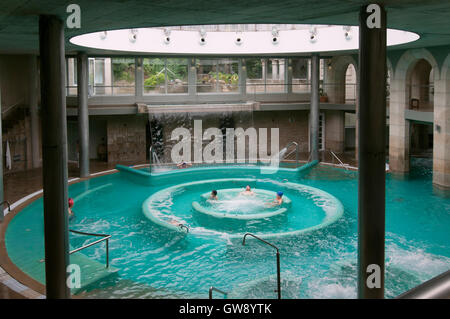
(420, 90)
(350, 85)
(420, 87)
(350, 94)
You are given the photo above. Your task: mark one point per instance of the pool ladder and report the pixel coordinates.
(278, 260)
(104, 238)
(212, 288)
(278, 290)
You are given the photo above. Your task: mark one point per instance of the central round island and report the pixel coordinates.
(234, 203)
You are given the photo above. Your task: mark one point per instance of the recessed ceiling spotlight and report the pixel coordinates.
(312, 34)
(347, 32)
(238, 39)
(275, 34)
(167, 36)
(133, 35)
(202, 33)
(103, 35)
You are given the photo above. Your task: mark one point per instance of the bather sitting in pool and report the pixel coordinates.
(213, 195)
(248, 191)
(184, 165)
(277, 201)
(71, 213)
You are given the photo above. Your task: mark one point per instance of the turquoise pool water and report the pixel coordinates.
(155, 261)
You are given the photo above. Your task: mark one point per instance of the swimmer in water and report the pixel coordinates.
(248, 191)
(213, 195)
(277, 201)
(71, 213)
(184, 165)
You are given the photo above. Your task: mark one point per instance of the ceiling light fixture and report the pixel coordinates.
(275, 35)
(347, 32)
(133, 35)
(313, 34)
(239, 39)
(167, 35)
(202, 33)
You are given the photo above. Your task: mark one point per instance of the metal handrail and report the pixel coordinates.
(150, 157)
(7, 203)
(105, 237)
(212, 288)
(339, 160)
(278, 260)
(297, 149)
(435, 288)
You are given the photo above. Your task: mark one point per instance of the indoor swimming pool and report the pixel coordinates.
(169, 240)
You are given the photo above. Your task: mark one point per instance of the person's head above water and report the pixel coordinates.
(248, 188)
(214, 192)
(280, 194)
(71, 202)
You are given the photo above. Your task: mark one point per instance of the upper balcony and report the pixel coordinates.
(274, 83)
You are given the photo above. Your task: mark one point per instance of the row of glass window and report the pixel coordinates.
(116, 76)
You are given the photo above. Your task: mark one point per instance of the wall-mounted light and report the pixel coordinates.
(133, 35)
(347, 32)
(167, 32)
(313, 34)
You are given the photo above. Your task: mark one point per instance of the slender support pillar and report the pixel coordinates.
(34, 115)
(314, 113)
(288, 76)
(192, 77)
(372, 157)
(54, 155)
(139, 78)
(83, 114)
(242, 77)
(281, 69)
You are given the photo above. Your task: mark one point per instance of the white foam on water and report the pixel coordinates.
(417, 261)
(327, 288)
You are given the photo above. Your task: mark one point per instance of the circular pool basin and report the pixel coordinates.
(306, 209)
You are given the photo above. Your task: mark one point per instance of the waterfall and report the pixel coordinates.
(278, 157)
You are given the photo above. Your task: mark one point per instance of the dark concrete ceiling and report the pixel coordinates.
(19, 18)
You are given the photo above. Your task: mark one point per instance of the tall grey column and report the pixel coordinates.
(54, 155)
(34, 116)
(371, 149)
(83, 113)
(242, 77)
(314, 113)
(192, 77)
(139, 78)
